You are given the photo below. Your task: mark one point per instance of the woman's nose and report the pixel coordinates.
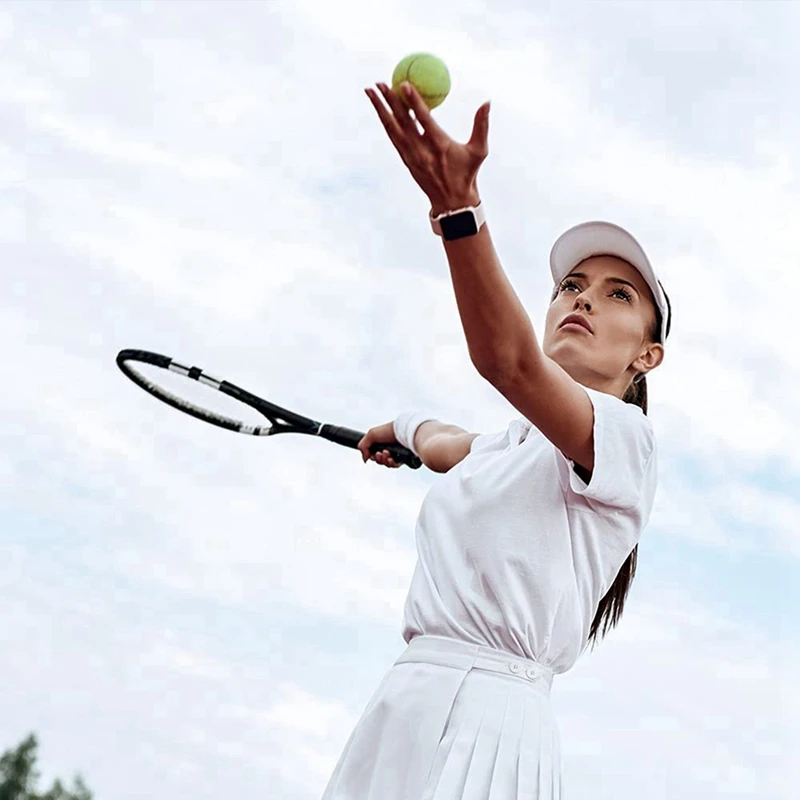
(582, 301)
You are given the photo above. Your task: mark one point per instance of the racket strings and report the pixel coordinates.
(196, 374)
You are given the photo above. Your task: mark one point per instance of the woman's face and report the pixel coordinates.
(613, 298)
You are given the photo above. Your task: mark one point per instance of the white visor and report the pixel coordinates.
(606, 239)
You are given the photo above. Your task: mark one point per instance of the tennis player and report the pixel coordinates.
(527, 545)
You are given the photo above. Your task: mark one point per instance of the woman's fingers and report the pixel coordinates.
(479, 140)
(363, 447)
(381, 435)
(399, 110)
(388, 119)
(423, 114)
(445, 170)
(383, 458)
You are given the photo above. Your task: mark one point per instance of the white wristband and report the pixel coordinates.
(405, 426)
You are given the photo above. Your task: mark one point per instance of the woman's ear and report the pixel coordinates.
(650, 358)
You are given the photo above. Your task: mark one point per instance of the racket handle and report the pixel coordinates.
(350, 438)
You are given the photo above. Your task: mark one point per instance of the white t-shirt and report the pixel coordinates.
(515, 551)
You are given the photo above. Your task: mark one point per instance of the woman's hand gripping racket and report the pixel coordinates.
(137, 365)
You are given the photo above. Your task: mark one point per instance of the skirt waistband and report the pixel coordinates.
(463, 655)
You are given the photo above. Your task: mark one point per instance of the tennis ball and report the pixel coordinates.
(427, 74)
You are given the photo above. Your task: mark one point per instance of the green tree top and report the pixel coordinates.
(19, 778)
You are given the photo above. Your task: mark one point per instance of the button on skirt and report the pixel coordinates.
(454, 721)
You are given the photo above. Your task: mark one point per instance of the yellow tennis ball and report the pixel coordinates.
(427, 73)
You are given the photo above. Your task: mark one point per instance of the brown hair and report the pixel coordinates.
(610, 608)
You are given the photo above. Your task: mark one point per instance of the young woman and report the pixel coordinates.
(527, 544)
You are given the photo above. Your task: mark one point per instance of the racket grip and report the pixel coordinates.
(350, 438)
(402, 455)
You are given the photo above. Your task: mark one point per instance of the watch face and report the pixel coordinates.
(458, 226)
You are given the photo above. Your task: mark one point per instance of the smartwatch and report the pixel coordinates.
(459, 223)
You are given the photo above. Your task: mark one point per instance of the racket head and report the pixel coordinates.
(279, 420)
(130, 362)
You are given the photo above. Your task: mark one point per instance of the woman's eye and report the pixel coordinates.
(624, 293)
(620, 292)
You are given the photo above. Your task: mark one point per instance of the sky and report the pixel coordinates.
(185, 612)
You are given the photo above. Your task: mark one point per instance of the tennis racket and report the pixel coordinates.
(149, 371)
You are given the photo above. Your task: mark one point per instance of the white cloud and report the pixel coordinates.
(678, 697)
(168, 656)
(101, 142)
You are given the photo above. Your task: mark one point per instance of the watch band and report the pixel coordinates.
(459, 223)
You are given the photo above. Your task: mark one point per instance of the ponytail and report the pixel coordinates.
(610, 607)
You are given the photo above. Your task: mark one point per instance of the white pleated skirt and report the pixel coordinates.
(454, 721)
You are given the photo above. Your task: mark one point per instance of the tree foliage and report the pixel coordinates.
(19, 778)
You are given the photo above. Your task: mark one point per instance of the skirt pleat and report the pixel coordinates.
(500, 744)
(389, 754)
(438, 732)
(505, 778)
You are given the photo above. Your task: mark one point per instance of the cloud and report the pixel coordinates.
(672, 682)
(300, 728)
(99, 141)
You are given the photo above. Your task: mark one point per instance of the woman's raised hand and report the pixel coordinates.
(444, 169)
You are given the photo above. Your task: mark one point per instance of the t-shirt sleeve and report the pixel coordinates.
(486, 442)
(624, 454)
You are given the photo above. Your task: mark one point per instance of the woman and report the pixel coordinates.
(527, 544)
